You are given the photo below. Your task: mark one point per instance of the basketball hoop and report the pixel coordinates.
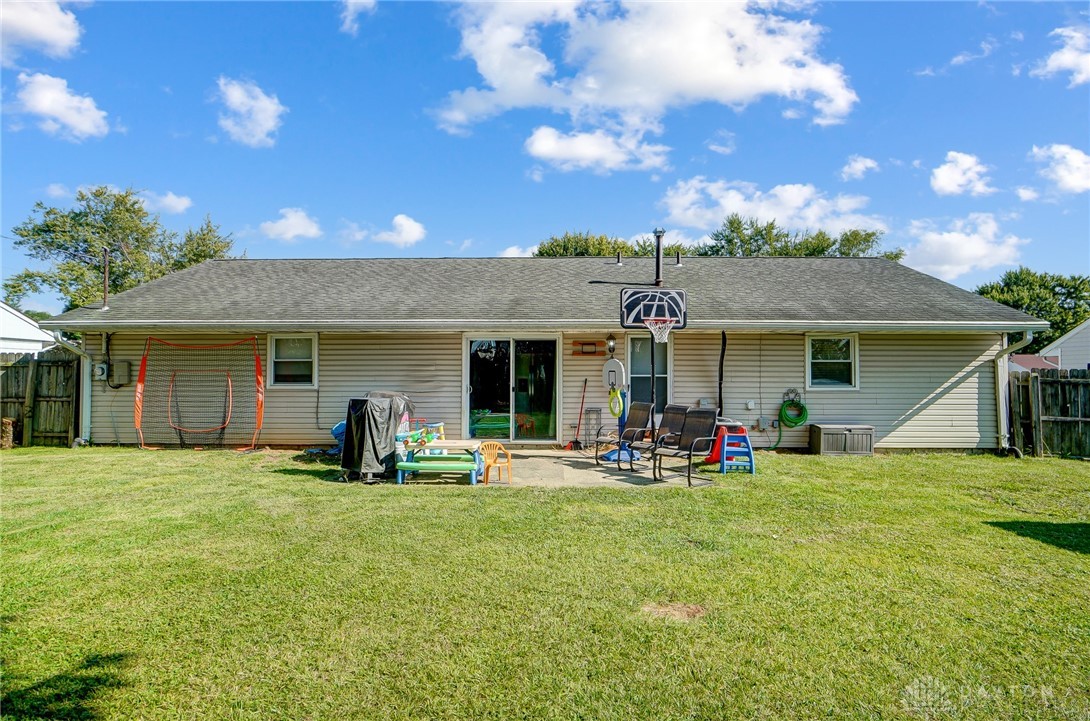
(660, 328)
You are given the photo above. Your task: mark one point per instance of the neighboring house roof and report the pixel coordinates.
(571, 293)
(1029, 362)
(19, 333)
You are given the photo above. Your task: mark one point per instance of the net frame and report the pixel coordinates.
(660, 328)
(149, 388)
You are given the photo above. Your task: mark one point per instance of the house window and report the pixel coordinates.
(832, 362)
(294, 360)
(639, 370)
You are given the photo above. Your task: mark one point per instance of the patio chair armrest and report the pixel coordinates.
(631, 434)
(709, 439)
(659, 441)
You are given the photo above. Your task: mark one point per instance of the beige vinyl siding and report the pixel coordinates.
(758, 367)
(426, 366)
(917, 390)
(112, 409)
(578, 367)
(1074, 349)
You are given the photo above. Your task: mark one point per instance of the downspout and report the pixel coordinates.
(84, 386)
(1002, 388)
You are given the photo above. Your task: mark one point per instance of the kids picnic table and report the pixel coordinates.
(468, 460)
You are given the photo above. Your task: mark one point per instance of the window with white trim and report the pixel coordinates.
(832, 362)
(293, 360)
(640, 348)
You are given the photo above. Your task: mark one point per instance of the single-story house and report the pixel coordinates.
(1072, 348)
(504, 347)
(21, 334)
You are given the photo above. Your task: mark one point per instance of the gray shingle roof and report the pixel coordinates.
(572, 293)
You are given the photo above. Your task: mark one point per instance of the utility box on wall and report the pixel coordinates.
(841, 440)
(120, 373)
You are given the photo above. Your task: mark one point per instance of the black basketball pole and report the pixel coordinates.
(659, 232)
(653, 434)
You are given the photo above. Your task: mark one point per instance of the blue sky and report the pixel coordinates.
(360, 129)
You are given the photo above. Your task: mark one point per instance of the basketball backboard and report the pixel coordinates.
(640, 304)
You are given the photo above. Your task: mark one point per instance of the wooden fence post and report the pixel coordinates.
(28, 404)
(1035, 414)
(1018, 439)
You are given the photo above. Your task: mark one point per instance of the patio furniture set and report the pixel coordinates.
(683, 432)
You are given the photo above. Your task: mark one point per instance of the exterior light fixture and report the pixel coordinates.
(611, 343)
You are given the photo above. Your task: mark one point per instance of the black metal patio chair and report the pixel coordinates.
(673, 418)
(696, 437)
(635, 424)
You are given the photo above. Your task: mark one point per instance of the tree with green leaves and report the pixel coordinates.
(744, 237)
(582, 244)
(1062, 300)
(587, 244)
(645, 246)
(37, 314)
(72, 242)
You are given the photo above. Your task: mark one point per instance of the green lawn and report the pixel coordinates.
(218, 585)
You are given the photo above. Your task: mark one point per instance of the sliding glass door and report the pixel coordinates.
(535, 390)
(512, 389)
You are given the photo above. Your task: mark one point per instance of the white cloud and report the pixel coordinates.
(598, 151)
(1068, 167)
(961, 173)
(42, 25)
(517, 251)
(350, 12)
(406, 232)
(703, 204)
(986, 49)
(58, 190)
(465, 245)
(1073, 57)
(1026, 194)
(857, 166)
(968, 244)
(606, 75)
(351, 233)
(723, 142)
(251, 116)
(167, 202)
(294, 223)
(62, 112)
(1017, 36)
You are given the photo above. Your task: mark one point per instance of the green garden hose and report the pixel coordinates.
(793, 413)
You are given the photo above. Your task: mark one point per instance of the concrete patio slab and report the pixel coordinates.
(576, 469)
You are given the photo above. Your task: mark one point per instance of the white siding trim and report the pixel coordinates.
(856, 383)
(271, 342)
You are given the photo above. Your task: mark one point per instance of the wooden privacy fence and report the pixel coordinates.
(41, 396)
(1050, 412)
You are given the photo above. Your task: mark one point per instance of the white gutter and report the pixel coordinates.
(85, 386)
(355, 324)
(1002, 389)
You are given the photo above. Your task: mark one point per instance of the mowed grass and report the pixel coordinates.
(220, 585)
